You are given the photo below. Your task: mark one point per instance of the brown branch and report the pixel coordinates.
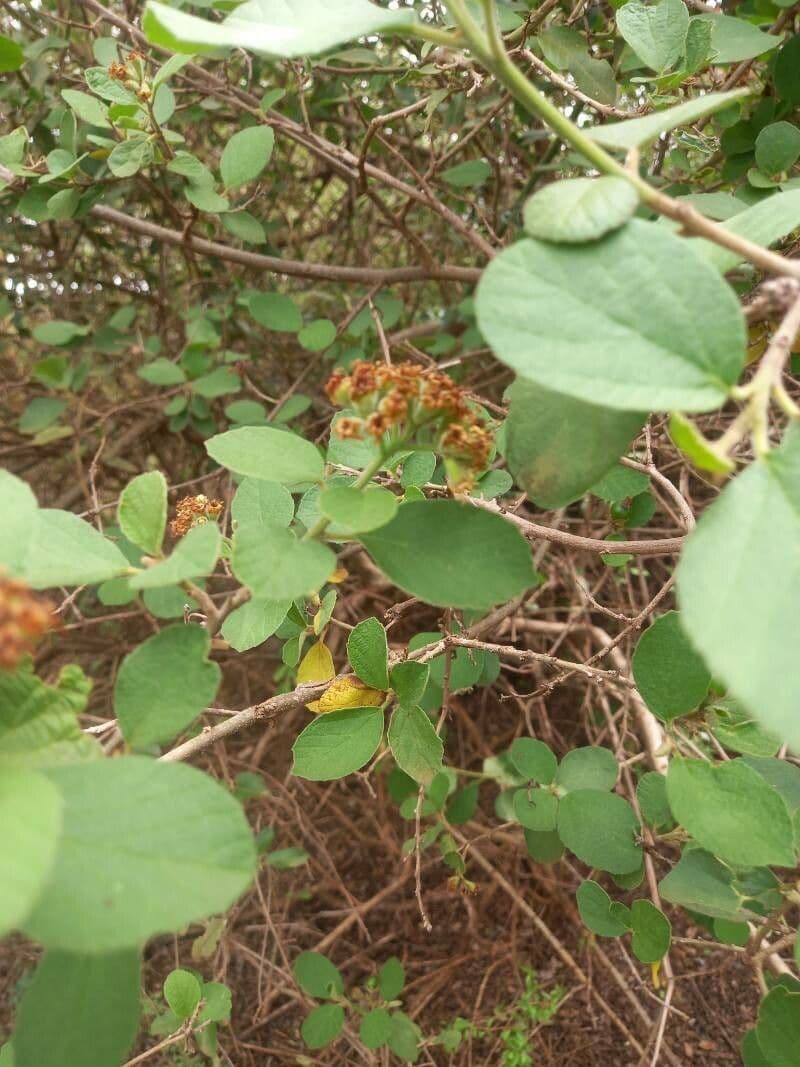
(291, 267)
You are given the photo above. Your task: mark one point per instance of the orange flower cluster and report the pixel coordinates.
(131, 73)
(194, 511)
(408, 396)
(23, 620)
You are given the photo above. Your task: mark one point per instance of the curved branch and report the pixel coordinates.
(292, 267)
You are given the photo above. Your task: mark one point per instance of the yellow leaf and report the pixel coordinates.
(347, 693)
(339, 575)
(316, 665)
(655, 971)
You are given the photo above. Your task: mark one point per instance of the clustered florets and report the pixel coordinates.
(194, 511)
(23, 620)
(131, 74)
(406, 396)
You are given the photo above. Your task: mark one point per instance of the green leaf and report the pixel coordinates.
(11, 55)
(701, 883)
(38, 722)
(404, 1037)
(652, 932)
(58, 332)
(764, 223)
(263, 452)
(415, 745)
(620, 483)
(157, 873)
(734, 40)
(600, 913)
(100, 81)
(739, 584)
(358, 510)
(782, 776)
(128, 157)
(409, 681)
(466, 175)
(337, 744)
(452, 555)
(574, 210)
(245, 155)
(287, 859)
(732, 811)
(182, 992)
(702, 452)
(162, 372)
(651, 794)
(600, 828)
(18, 515)
(217, 1002)
(244, 227)
(79, 1009)
(591, 767)
(194, 556)
(536, 809)
(391, 978)
(164, 104)
(170, 68)
(251, 624)
(786, 73)
(283, 28)
(88, 108)
(669, 674)
(257, 501)
(322, 1025)
(418, 468)
(204, 198)
(374, 1028)
(317, 976)
(317, 336)
(544, 847)
(277, 312)
(656, 32)
(463, 804)
(190, 167)
(752, 1056)
(275, 565)
(40, 413)
(30, 825)
(142, 511)
(566, 49)
(563, 317)
(534, 760)
(738, 731)
(777, 147)
(219, 382)
(633, 132)
(368, 652)
(62, 549)
(778, 1029)
(164, 684)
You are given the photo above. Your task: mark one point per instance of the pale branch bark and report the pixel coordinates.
(264, 712)
(572, 90)
(666, 546)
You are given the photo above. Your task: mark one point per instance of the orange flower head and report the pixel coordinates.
(23, 621)
(193, 511)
